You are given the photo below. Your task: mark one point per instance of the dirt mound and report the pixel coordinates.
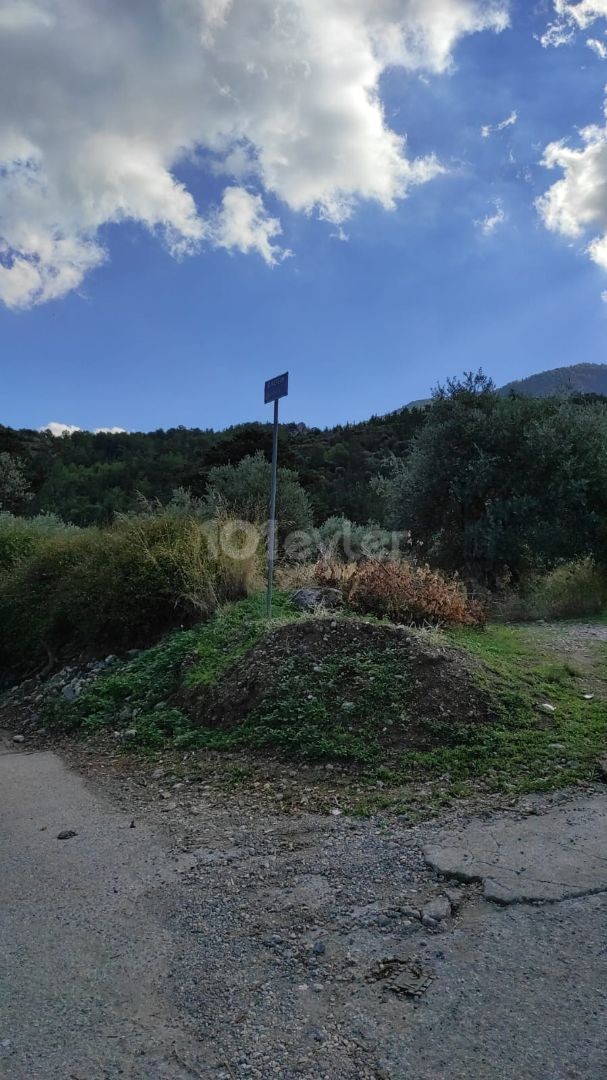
(397, 687)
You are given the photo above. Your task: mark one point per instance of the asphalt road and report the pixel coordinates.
(120, 960)
(82, 960)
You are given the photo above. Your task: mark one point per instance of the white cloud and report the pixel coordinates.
(243, 224)
(491, 222)
(582, 13)
(107, 99)
(60, 430)
(572, 17)
(576, 205)
(510, 121)
(597, 47)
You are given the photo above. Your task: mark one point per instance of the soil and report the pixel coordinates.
(439, 687)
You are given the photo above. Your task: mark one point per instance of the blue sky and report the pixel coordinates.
(364, 324)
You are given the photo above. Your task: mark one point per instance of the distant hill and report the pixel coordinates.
(577, 379)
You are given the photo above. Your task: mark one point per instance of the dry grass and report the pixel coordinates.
(401, 591)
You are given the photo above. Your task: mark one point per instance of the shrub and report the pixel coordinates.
(343, 539)
(20, 537)
(574, 590)
(94, 589)
(402, 592)
(243, 491)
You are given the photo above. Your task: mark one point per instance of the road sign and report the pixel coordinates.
(277, 388)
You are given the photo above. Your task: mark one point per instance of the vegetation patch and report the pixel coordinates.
(309, 688)
(446, 714)
(548, 735)
(93, 590)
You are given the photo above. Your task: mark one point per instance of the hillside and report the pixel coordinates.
(576, 379)
(87, 478)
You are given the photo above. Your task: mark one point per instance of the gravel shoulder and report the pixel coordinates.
(187, 931)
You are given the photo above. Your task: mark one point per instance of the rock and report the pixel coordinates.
(319, 948)
(455, 897)
(125, 714)
(313, 597)
(603, 768)
(547, 708)
(18, 738)
(130, 733)
(72, 691)
(67, 834)
(436, 911)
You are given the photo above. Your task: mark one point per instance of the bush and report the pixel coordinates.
(402, 592)
(574, 590)
(113, 588)
(20, 537)
(243, 491)
(343, 539)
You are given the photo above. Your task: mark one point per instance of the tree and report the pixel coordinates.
(243, 491)
(500, 485)
(14, 487)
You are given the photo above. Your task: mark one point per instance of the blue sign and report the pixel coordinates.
(277, 388)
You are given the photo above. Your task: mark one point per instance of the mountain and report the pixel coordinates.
(576, 379)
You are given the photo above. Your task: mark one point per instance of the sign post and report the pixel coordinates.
(274, 390)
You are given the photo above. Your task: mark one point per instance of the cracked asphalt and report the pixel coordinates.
(220, 941)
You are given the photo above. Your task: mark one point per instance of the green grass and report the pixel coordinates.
(331, 711)
(185, 658)
(340, 709)
(528, 749)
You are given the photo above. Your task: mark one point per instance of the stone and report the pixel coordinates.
(313, 597)
(455, 897)
(603, 768)
(67, 834)
(72, 691)
(436, 911)
(18, 738)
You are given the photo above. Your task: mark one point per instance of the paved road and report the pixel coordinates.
(81, 957)
(116, 960)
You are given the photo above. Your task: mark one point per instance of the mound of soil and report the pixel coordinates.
(436, 686)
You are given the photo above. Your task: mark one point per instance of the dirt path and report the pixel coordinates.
(584, 645)
(215, 940)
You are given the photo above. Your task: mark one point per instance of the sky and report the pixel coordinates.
(197, 195)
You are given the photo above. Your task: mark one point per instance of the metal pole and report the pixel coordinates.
(272, 521)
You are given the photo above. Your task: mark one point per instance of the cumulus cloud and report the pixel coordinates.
(243, 224)
(60, 430)
(491, 222)
(576, 205)
(510, 121)
(102, 103)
